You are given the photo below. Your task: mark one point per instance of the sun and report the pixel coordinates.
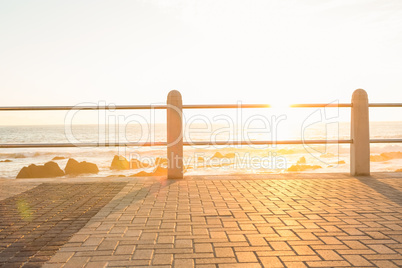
(280, 103)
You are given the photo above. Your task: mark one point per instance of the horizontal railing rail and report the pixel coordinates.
(385, 140)
(189, 106)
(71, 145)
(359, 135)
(90, 107)
(195, 143)
(385, 105)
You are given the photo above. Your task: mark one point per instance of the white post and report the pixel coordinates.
(360, 147)
(174, 135)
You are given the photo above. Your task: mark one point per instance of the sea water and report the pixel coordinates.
(198, 159)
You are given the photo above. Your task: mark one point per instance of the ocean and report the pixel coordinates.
(199, 160)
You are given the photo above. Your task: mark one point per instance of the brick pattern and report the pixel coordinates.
(36, 223)
(14, 187)
(208, 222)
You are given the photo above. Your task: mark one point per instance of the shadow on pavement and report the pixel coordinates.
(382, 188)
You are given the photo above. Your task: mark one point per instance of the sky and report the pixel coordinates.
(256, 51)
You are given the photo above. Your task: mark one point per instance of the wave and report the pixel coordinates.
(386, 156)
(16, 155)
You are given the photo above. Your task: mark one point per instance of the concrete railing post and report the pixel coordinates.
(360, 147)
(174, 135)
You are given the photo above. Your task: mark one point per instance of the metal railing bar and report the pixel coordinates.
(95, 144)
(385, 105)
(189, 106)
(60, 108)
(386, 141)
(197, 143)
(225, 106)
(131, 107)
(319, 105)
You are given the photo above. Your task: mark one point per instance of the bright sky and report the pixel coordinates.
(255, 51)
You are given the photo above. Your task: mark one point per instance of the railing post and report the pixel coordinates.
(360, 147)
(174, 135)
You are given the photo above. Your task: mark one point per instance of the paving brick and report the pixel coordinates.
(357, 260)
(300, 258)
(257, 241)
(224, 252)
(303, 250)
(159, 259)
(143, 254)
(279, 246)
(355, 251)
(381, 249)
(129, 263)
(93, 241)
(62, 257)
(124, 250)
(76, 262)
(329, 255)
(237, 238)
(331, 240)
(215, 261)
(107, 244)
(385, 264)
(355, 245)
(240, 265)
(183, 243)
(194, 255)
(246, 257)
(295, 265)
(383, 257)
(110, 258)
(271, 262)
(218, 235)
(203, 248)
(327, 263)
(96, 264)
(183, 263)
(206, 266)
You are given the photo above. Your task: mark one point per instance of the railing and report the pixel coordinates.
(359, 141)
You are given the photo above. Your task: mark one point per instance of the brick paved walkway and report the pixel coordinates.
(34, 224)
(319, 220)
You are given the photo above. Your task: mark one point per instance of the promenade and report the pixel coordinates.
(276, 220)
